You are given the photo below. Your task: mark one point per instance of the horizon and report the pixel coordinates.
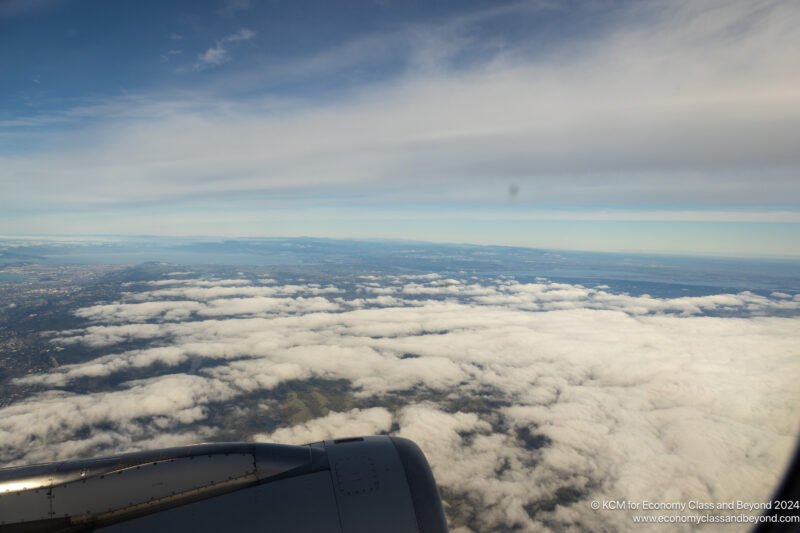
(111, 238)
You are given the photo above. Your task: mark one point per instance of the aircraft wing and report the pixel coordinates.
(365, 484)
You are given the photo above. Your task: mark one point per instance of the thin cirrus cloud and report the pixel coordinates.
(661, 111)
(13, 8)
(547, 389)
(232, 7)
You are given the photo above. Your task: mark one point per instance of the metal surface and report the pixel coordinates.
(356, 485)
(138, 487)
(297, 505)
(115, 488)
(424, 492)
(370, 486)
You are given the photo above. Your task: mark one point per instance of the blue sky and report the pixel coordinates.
(620, 126)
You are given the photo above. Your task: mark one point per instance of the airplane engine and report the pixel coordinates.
(355, 485)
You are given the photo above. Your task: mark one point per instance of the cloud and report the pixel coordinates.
(219, 54)
(669, 106)
(171, 53)
(216, 55)
(210, 292)
(232, 7)
(13, 8)
(356, 422)
(183, 309)
(203, 298)
(243, 34)
(529, 399)
(142, 311)
(195, 282)
(139, 408)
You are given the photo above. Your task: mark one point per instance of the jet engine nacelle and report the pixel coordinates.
(364, 484)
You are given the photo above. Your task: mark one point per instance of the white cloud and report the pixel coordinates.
(178, 310)
(211, 291)
(216, 55)
(58, 417)
(522, 395)
(219, 54)
(140, 312)
(232, 7)
(355, 423)
(671, 110)
(197, 282)
(243, 34)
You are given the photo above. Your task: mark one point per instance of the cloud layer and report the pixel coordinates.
(530, 399)
(675, 103)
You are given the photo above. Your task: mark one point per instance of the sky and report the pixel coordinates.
(650, 126)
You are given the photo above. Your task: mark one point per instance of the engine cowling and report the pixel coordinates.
(354, 485)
